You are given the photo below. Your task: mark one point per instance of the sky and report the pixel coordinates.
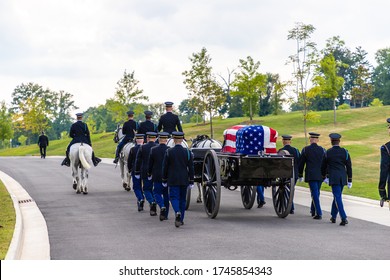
(84, 46)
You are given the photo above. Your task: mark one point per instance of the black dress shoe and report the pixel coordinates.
(178, 220)
(153, 209)
(261, 204)
(333, 220)
(140, 205)
(116, 160)
(163, 214)
(382, 202)
(344, 222)
(291, 211)
(66, 162)
(317, 217)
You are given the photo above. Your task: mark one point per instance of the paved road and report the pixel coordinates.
(105, 224)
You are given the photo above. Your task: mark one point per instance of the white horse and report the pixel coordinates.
(123, 157)
(171, 143)
(80, 158)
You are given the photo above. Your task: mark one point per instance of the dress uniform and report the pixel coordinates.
(43, 142)
(147, 125)
(155, 172)
(296, 154)
(260, 196)
(384, 176)
(141, 170)
(336, 166)
(129, 128)
(137, 184)
(178, 174)
(312, 156)
(169, 121)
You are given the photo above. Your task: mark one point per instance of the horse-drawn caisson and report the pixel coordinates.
(248, 161)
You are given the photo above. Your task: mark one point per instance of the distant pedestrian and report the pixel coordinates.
(43, 142)
(384, 176)
(169, 122)
(336, 170)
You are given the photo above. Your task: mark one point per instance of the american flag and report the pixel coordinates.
(229, 136)
(254, 139)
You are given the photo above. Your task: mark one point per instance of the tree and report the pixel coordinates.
(228, 82)
(278, 89)
(63, 105)
(127, 90)
(303, 62)
(381, 75)
(6, 131)
(187, 111)
(362, 88)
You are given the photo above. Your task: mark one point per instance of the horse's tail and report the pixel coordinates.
(83, 160)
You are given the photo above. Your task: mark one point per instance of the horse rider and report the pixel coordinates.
(147, 125)
(129, 128)
(141, 170)
(286, 140)
(311, 156)
(80, 133)
(155, 174)
(178, 174)
(336, 171)
(384, 176)
(43, 142)
(137, 184)
(168, 122)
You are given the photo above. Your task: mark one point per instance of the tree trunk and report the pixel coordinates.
(211, 126)
(250, 111)
(334, 111)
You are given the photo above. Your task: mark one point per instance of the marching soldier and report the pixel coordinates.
(137, 184)
(147, 125)
(141, 170)
(129, 128)
(337, 172)
(155, 173)
(178, 174)
(80, 133)
(286, 140)
(384, 177)
(311, 156)
(169, 121)
(43, 142)
(260, 196)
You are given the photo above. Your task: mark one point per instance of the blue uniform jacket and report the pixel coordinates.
(131, 159)
(80, 133)
(384, 167)
(146, 126)
(142, 161)
(128, 129)
(311, 156)
(168, 123)
(296, 154)
(178, 166)
(337, 165)
(155, 162)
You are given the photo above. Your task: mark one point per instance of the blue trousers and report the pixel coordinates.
(260, 194)
(178, 196)
(315, 187)
(137, 187)
(121, 144)
(337, 204)
(161, 195)
(148, 190)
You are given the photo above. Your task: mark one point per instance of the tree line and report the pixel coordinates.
(334, 77)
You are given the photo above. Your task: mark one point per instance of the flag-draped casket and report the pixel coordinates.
(229, 136)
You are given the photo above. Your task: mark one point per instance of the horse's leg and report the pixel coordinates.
(123, 175)
(74, 175)
(84, 180)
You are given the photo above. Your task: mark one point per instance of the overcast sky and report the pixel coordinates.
(84, 46)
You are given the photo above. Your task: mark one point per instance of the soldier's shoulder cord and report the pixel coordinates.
(387, 149)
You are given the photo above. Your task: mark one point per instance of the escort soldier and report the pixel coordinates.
(260, 196)
(141, 170)
(137, 184)
(311, 156)
(43, 142)
(169, 121)
(80, 133)
(147, 125)
(178, 174)
(129, 128)
(337, 172)
(155, 174)
(286, 140)
(384, 176)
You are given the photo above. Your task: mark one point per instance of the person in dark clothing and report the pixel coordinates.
(336, 171)
(155, 174)
(178, 174)
(43, 142)
(169, 121)
(384, 175)
(311, 156)
(79, 133)
(147, 125)
(137, 184)
(129, 129)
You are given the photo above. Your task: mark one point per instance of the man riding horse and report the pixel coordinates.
(129, 128)
(80, 133)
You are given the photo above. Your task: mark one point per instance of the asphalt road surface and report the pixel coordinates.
(105, 224)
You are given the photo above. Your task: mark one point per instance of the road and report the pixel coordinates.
(105, 224)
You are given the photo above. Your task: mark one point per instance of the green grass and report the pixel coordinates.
(7, 220)
(363, 132)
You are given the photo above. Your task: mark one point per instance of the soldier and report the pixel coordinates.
(129, 128)
(336, 166)
(141, 170)
(286, 140)
(80, 133)
(178, 174)
(385, 171)
(311, 156)
(147, 125)
(260, 196)
(169, 121)
(137, 184)
(43, 142)
(155, 174)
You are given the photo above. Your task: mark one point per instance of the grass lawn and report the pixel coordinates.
(7, 220)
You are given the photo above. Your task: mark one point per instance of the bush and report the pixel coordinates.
(344, 106)
(376, 103)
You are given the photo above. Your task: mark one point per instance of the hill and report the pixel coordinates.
(363, 132)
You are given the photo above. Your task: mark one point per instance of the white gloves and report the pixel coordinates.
(165, 185)
(300, 179)
(190, 186)
(326, 181)
(149, 178)
(349, 185)
(137, 177)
